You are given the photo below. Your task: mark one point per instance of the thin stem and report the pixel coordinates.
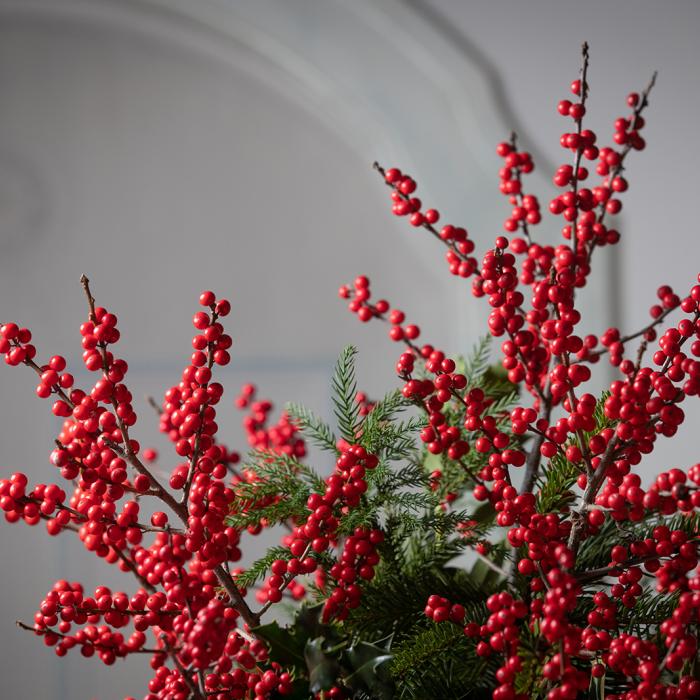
(619, 168)
(288, 578)
(603, 571)
(633, 336)
(519, 196)
(97, 645)
(579, 125)
(427, 226)
(132, 567)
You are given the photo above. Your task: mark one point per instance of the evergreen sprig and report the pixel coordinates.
(312, 427)
(259, 568)
(344, 384)
(438, 661)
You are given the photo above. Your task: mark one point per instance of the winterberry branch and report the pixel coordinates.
(179, 509)
(579, 124)
(619, 168)
(632, 336)
(590, 575)
(96, 645)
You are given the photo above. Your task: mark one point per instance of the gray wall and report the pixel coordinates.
(164, 147)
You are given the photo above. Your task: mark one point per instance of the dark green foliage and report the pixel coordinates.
(278, 494)
(414, 564)
(557, 479)
(650, 610)
(439, 661)
(386, 648)
(476, 364)
(323, 655)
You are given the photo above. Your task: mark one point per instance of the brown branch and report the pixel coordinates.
(427, 226)
(595, 481)
(632, 336)
(579, 126)
(612, 570)
(534, 458)
(619, 168)
(154, 405)
(252, 619)
(288, 578)
(132, 567)
(97, 645)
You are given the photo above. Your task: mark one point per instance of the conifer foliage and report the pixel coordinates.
(484, 531)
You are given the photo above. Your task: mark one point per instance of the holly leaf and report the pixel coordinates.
(286, 644)
(309, 619)
(369, 673)
(323, 668)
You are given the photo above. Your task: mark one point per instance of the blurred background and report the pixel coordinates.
(163, 147)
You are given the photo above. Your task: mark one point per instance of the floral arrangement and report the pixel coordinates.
(484, 532)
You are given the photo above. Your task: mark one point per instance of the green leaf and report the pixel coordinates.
(370, 670)
(476, 364)
(313, 427)
(344, 384)
(286, 644)
(323, 668)
(483, 575)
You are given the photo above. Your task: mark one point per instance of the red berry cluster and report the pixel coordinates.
(357, 561)
(195, 616)
(15, 344)
(282, 437)
(65, 607)
(526, 207)
(344, 488)
(439, 609)
(456, 239)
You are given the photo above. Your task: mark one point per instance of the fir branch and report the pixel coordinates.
(344, 384)
(259, 568)
(280, 511)
(477, 362)
(502, 404)
(392, 441)
(312, 427)
(384, 410)
(649, 611)
(556, 481)
(439, 661)
(281, 469)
